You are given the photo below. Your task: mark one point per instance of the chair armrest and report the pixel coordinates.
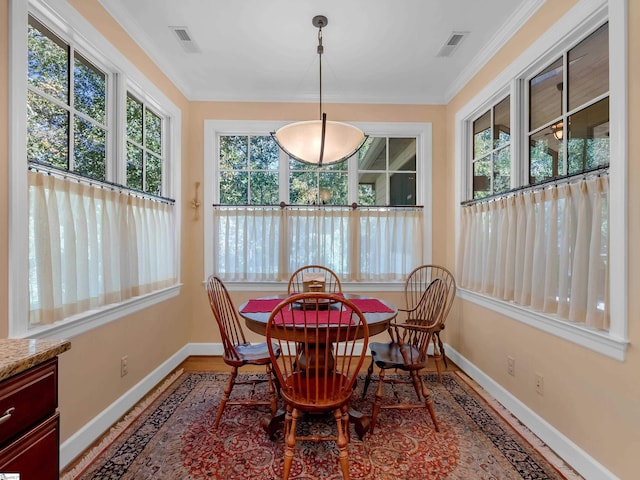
(414, 327)
(412, 335)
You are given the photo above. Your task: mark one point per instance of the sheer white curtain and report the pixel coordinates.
(544, 249)
(391, 243)
(320, 236)
(248, 242)
(91, 246)
(268, 243)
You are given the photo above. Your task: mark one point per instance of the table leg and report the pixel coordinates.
(272, 424)
(360, 422)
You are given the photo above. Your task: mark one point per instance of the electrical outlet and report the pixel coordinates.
(124, 366)
(539, 384)
(511, 366)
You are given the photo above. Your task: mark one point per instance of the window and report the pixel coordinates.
(145, 155)
(547, 249)
(67, 114)
(491, 162)
(274, 214)
(569, 127)
(248, 170)
(387, 171)
(102, 239)
(550, 252)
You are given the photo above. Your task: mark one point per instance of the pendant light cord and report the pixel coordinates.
(323, 116)
(320, 52)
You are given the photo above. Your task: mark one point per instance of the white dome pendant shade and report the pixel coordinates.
(303, 141)
(319, 142)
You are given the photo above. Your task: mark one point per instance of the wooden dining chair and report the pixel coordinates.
(317, 334)
(408, 352)
(298, 282)
(415, 285)
(239, 352)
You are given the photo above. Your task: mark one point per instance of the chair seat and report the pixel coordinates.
(317, 393)
(389, 355)
(254, 354)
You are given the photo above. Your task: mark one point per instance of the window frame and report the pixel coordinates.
(421, 131)
(561, 53)
(69, 106)
(575, 25)
(491, 108)
(74, 29)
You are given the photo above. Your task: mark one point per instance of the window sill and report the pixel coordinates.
(596, 340)
(82, 323)
(347, 287)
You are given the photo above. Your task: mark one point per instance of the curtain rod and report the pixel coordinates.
(551, 182)
(353, 206)
(68, 175)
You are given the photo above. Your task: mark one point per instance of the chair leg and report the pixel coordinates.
(438, 368)
(429, 404)
(343, 441)
(441, 346)
(416, 383)
(367, 380)
(345, 422)
(437, 356)
(291, 421)
(272, 391)
(226, 395)
(377, 402)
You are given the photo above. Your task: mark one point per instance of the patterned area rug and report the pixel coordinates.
(173, 438)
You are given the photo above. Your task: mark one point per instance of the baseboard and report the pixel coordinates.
(83, 438)
(571, 453)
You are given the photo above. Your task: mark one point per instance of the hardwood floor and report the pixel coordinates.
(216, 364)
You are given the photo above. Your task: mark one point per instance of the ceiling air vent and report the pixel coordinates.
(185, 40)
(454, 40)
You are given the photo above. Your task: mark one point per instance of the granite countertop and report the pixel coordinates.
(20, 354)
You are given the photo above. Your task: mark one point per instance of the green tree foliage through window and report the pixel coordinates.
(144, 147)
(66, 107)
(491, 150)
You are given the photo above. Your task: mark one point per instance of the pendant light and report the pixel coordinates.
(319, 142)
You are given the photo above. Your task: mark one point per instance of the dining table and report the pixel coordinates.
(378, 314)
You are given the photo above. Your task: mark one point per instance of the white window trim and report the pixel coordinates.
(423, 134)
(66, 19)
(580, 19)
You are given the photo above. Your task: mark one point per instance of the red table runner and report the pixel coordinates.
(261, 305)
(297, 317)
(371, 305)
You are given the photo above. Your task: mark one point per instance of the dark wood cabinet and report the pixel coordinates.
(29, 423)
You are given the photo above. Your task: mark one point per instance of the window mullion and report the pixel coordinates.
(117, 102)
(283, 176)
(72, 111)
(519, 111)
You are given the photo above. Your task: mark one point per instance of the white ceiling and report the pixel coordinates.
(375, 51)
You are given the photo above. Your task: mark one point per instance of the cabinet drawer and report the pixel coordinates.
(34, 455)
(27, 399)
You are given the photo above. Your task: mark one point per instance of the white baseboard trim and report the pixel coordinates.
(83, 438)
(571, 453)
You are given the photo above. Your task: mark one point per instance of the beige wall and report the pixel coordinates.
(89, 372)
(591, 399)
